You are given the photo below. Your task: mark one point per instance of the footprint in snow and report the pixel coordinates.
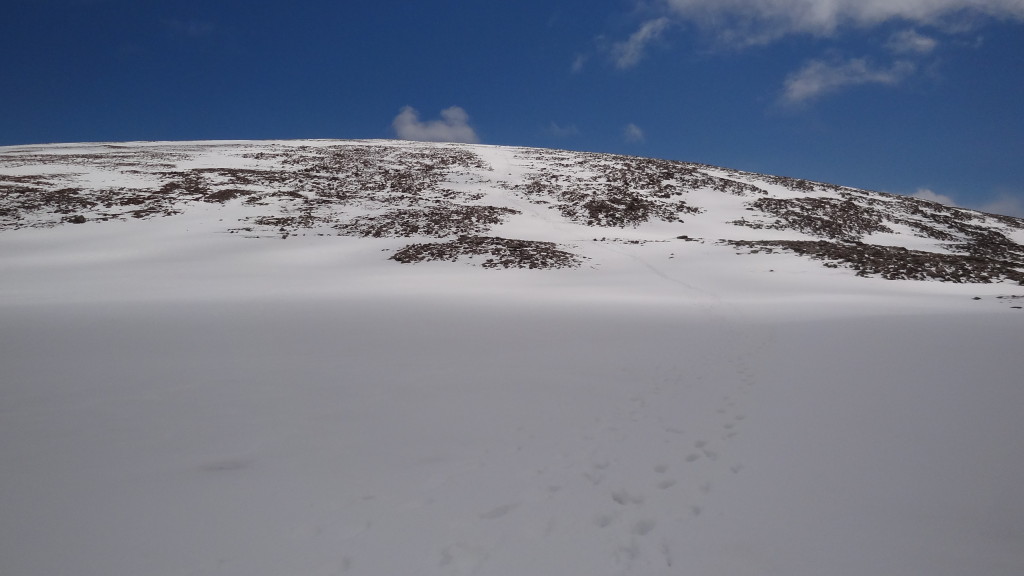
(228, 465)
(605, 520)
(628, 553)
(623, 498)
(463, 558)
(498, 512)
(644, 527)
(666, 551)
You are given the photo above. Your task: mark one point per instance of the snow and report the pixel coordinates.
(178, 400)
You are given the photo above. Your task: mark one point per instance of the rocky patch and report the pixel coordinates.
(496, 253)
(436, 220)
(839, 219)
(608, 190)
(893, 262)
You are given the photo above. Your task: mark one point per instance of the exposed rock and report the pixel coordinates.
(498, 253)
(440, 220)
(835, 218)
(893, 262)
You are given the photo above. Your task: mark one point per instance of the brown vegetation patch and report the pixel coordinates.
(437, 221)
(222, 196)
(609, 190)
(498, 253)
(833, 218)
(894, 262)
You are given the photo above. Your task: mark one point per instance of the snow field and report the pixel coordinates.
(418, 435)
(176, 399)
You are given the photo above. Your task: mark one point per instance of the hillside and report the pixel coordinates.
(484, 204)
(392, 358)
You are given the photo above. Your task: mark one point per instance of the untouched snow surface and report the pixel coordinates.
(182, 403)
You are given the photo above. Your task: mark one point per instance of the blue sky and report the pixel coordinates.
(910, 96)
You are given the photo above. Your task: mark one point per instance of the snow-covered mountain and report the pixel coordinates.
(390, 358)
(503, 207)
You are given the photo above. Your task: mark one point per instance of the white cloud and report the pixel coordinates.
(927, 194)
(1005, 203)
(633, 133)
(452, 127)
(627, 54)
(749, 22)
(559, 131)
(738, 24)
(911, 42)
(578, 63)
(819, 77)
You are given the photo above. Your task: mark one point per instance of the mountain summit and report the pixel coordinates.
(503, 207)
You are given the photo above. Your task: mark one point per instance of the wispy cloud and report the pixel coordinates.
(820, 77)
(746, 24)
(931, 195)
(628, 53)
(911, 42)
(1005, 203)
(632, 133)
(1001, 202)
(578, 63)
(759, 21)
(452, 127)
(559, 131)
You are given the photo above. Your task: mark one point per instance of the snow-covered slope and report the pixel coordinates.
(389, 358)
(500, 207)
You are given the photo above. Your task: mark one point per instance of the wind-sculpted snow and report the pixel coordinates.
(444, 194)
